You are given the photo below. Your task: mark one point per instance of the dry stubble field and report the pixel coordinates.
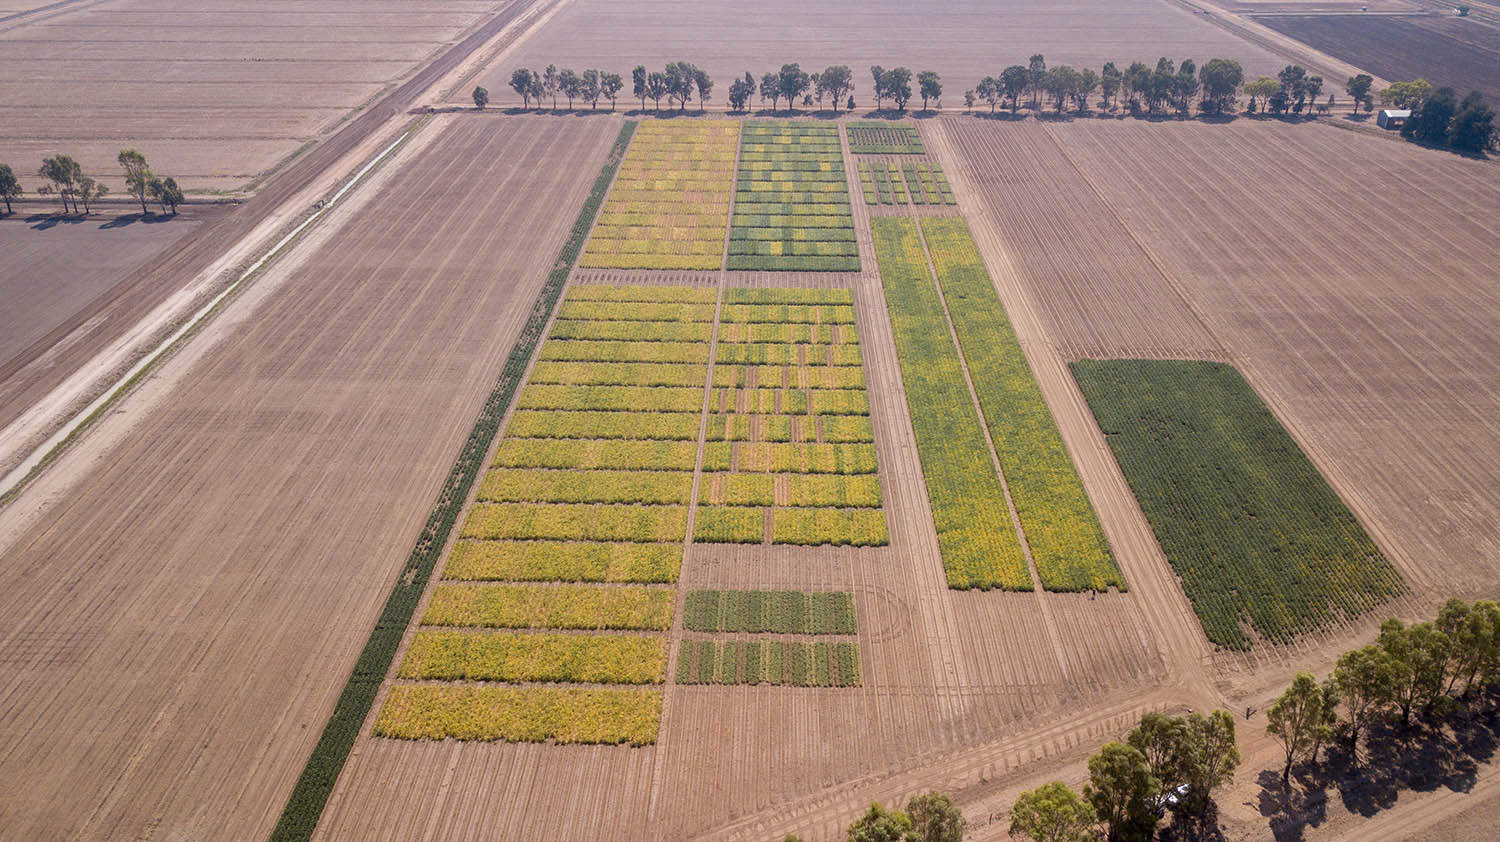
(1354, 297)
(963, 42)
(214, 94)
(179, 628)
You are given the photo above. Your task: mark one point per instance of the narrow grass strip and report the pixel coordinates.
(299, 818)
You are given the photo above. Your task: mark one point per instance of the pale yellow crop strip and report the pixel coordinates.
(669, 206)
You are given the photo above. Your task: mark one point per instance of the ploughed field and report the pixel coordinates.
(214, 94)
(1443, 50)
(212, 580)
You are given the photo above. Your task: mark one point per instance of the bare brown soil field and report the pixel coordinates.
(1241, 242)
(1443, 50)
(943, 671)
(215, 95)
(963, 42)
(179, 626)
(56, 265)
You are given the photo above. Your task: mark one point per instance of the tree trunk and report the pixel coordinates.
(1286, 771)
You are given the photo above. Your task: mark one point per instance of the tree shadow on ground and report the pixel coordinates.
(147, 218)
(44, 221)
(1444, 753)
(1204, 829)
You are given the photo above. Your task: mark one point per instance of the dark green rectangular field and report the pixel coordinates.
(1264, 547)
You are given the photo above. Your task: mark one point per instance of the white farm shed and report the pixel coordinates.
(1392, 118)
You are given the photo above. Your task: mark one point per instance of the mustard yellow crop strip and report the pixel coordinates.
(549, 607)
(1066, 540)
(520, 714)
(976, 538)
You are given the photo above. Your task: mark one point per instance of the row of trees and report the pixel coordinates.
(1408, 676)
(1166, 764)
(65, 179)
(682, 82)
(1166, 86)
(589, 86)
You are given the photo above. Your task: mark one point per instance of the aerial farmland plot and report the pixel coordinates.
(600, 474)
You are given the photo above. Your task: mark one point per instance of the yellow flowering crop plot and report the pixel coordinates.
(616, 374)
(528, 485)
(563, 561)
(1067, 543)
(576, 522)
(592, 350)
(669, 205)
(789, 376)
(590, 483)
(596, 454)
(643, 293)
(550, 607)
(605, 311)
(729, 525)
(634, 331)
(612, 398)
(722, 489)
(559, 424)
(520, 714)
(847, 527)
(516, 657)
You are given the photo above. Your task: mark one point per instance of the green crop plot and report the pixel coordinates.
(1067, 543)
(791, 204)
(978, 543)
(776, 612)
(791, 663)
(523, 485)
(1253, 530)
(869, 138)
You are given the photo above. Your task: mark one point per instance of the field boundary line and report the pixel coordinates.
(55, 444)
(304, 806)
